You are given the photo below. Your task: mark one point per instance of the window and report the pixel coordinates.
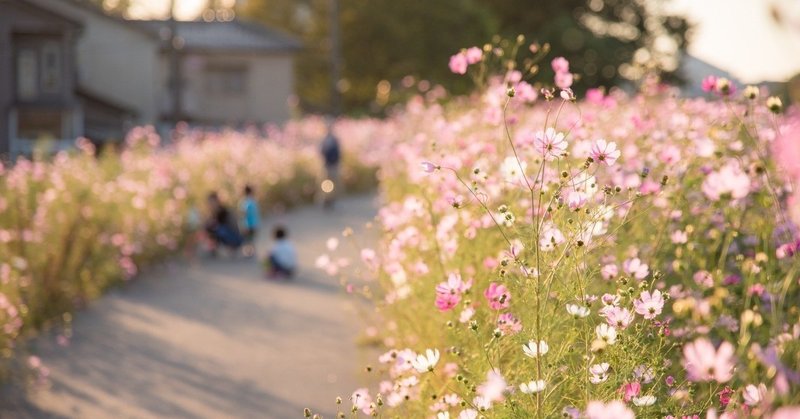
(230, 81)
(38, 124)
(27, 74)
(51, 68)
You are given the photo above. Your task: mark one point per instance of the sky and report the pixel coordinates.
(738, 36)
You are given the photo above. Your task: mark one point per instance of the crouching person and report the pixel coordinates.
(282, 260)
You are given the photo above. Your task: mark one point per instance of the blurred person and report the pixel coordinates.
(282, 260)
(331, 155)
(194, 225)
(221, 226)
(250, 221)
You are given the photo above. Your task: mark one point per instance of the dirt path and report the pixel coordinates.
(212, 339)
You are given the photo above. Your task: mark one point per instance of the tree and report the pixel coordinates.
(607, 41)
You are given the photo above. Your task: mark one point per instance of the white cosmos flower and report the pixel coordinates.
(534, 386)
(599, 373)
(644, 400)
(533, 350)
(577, 311)
(754, 395)
(606, 333)
(425, 363)
(443, 415)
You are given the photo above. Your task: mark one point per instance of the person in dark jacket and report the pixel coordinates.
(221, 225)
(332, 156)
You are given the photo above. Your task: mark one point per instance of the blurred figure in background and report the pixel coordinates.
(331, 155)
(221, 226)
(250, 221)
(282, 260)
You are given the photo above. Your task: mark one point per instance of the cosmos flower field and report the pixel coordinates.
(543, 254)
(609, 256)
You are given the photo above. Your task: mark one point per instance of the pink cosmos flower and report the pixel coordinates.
(605, 152)
(614, 409)
(649, 305)
(362, 400)
(709, 84)
(576, 200)
(473, 55)
(508, 324)
(458, 63)
(445, 302)
(754, 395)
(618, 317)
(494, 388)
(428, 167)
(630, 390)
(550, 144)
(704, 363)
(636, 268)
(609, 271)
(498, 296)
(563, 80)
(789, 412)
(730, 181)
(560, 65)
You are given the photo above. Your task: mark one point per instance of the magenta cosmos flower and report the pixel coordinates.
(704, 363)
(605, 152)
(498, 296)
(550, 144)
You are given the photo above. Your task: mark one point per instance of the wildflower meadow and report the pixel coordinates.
(611, 254)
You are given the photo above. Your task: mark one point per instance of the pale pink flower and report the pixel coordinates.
(636, 268)
(605, 152)
(508, 324)
(753, 395)
(458, 63)
(362, 400)
(550, 144)
(494, 388)
(599, 372)
(473, 55)
(614, 409)
(704, 363)
(788, 412)
(560, 65)
(609, 271)
(498, 296)
(649, 305)
(618, 317)
(563, 80)
(729, 181)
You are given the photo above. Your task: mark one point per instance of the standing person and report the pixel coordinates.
(282, 260)
(332, 155)
(221, 226)
(250, 222)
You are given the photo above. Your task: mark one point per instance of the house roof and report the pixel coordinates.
(232, 36)
(68, 8)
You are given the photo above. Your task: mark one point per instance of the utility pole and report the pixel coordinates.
(336, 59)
(176, 82)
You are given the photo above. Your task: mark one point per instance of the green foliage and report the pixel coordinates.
(387, 40)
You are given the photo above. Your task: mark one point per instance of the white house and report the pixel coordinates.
(231, 72)
(106, 74)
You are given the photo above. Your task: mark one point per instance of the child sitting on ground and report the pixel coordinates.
(282, 260)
